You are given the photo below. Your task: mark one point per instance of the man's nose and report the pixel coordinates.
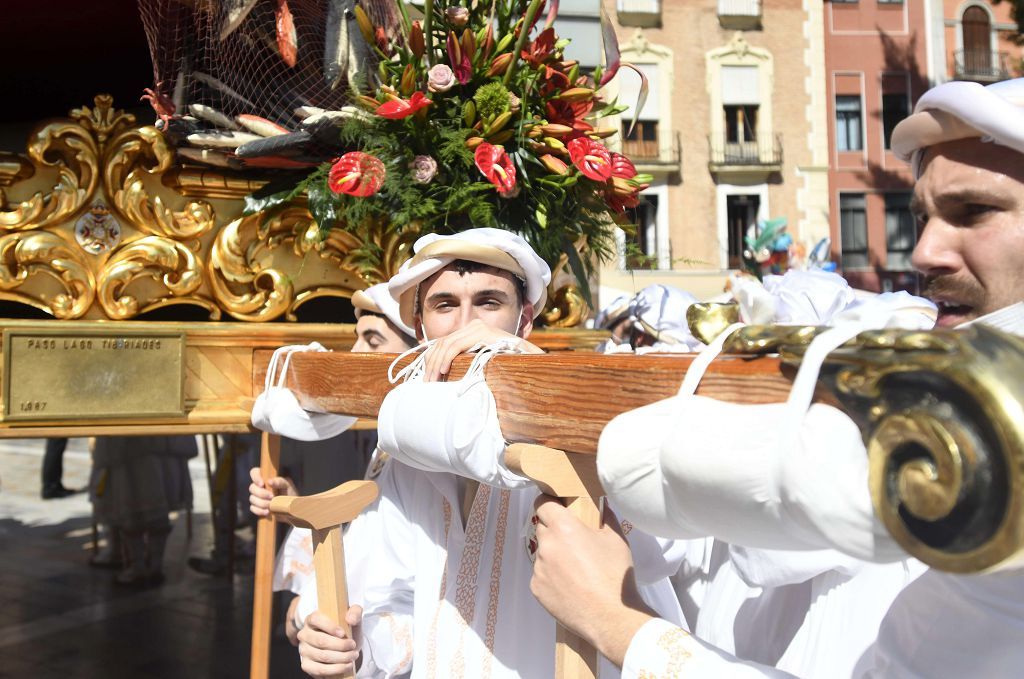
(937, 251)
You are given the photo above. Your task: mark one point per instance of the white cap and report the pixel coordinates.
(962, 110)
(377, 300)
(660, 312)
(492, 247)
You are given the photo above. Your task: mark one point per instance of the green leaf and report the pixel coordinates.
(322, 206)
(578, 270)
(272, 194)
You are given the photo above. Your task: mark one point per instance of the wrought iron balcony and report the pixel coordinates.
(645, 13)
(662, 155)
(980, 66)
(764, 154)
(740, 14)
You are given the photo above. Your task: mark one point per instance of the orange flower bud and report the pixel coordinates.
(555, 130)
(553, 165)
(408, 84)
(500, 137)
(602, 132)
(416, 43)
(473, 142)
(365, 27)
(499, 65)
(623, 187)
(468, 43)
(368, 102)
(576, 94)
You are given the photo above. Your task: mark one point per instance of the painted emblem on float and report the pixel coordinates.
(97, 231)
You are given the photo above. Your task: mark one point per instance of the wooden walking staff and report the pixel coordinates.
(262, 597)
(573, 478)
(324, 514)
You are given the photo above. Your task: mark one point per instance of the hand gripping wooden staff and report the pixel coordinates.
(573, 478)
(324, 514)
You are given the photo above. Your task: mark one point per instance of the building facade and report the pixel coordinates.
(734, 131)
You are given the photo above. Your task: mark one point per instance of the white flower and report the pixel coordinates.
(423, 169)
(440, 78)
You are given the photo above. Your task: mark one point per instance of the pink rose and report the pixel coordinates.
(457, 16)
(440, 78)
(423, 169)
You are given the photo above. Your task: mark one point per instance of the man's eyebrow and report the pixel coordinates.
(968, 195)
(372, 333)
(492, 293)
(441, 296)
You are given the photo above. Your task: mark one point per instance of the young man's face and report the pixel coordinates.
(970, 203)
(377, 334)
(450, 300)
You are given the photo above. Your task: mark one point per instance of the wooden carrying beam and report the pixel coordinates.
(562, 400)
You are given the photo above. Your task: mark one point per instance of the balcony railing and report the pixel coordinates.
(739, 13)
(763, 154)
(980, 65)
(664, 154)
(645, 13)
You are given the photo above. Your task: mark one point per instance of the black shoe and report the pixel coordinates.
(57, 492)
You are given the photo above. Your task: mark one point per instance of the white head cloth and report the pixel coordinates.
(962, 110)
(377, 300)
(493, 247)
(660, 311)
(620, 308)
(824, 298)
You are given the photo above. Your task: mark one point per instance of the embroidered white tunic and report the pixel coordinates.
(474, 615)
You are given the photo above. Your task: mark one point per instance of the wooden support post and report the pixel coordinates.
(572, 477)
(324, 514)
(262, 597)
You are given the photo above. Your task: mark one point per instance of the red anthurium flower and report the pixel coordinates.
(356, 174)
(495, 164)
(397, 109)
(461, 66)
(538, 51)
(592, 158)
(622, 167)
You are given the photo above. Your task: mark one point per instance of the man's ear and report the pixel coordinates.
(417, 325)
(526, 322)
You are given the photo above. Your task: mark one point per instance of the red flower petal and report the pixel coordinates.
(592, 159)
(622, 167)
(357, 174)
(396, 109)
(496, 166)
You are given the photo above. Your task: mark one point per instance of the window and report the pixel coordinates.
(643, 253)
(642, 141)
(740, 123)
(741, 214)
(848, 123)
(853, 230)
(900, 231)
(895, 103)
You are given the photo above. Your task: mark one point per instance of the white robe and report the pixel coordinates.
(469, 587)
(940, 625)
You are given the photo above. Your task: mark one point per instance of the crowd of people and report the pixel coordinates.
(738, 540)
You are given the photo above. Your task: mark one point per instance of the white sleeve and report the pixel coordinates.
(447, 427)
(294, 561)
(660, 649)
(689, 467)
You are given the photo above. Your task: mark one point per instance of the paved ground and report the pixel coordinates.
(61, 618)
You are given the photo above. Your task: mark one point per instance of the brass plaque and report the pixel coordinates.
(92, 375)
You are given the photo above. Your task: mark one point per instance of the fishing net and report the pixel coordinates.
(262, 58)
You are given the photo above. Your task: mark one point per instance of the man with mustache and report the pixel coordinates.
(966, 145)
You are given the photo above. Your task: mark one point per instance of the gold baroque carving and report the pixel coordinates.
(175, 266)
(23, 255)
(144, 150)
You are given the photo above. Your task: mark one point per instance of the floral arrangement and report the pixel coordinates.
(477, 119)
